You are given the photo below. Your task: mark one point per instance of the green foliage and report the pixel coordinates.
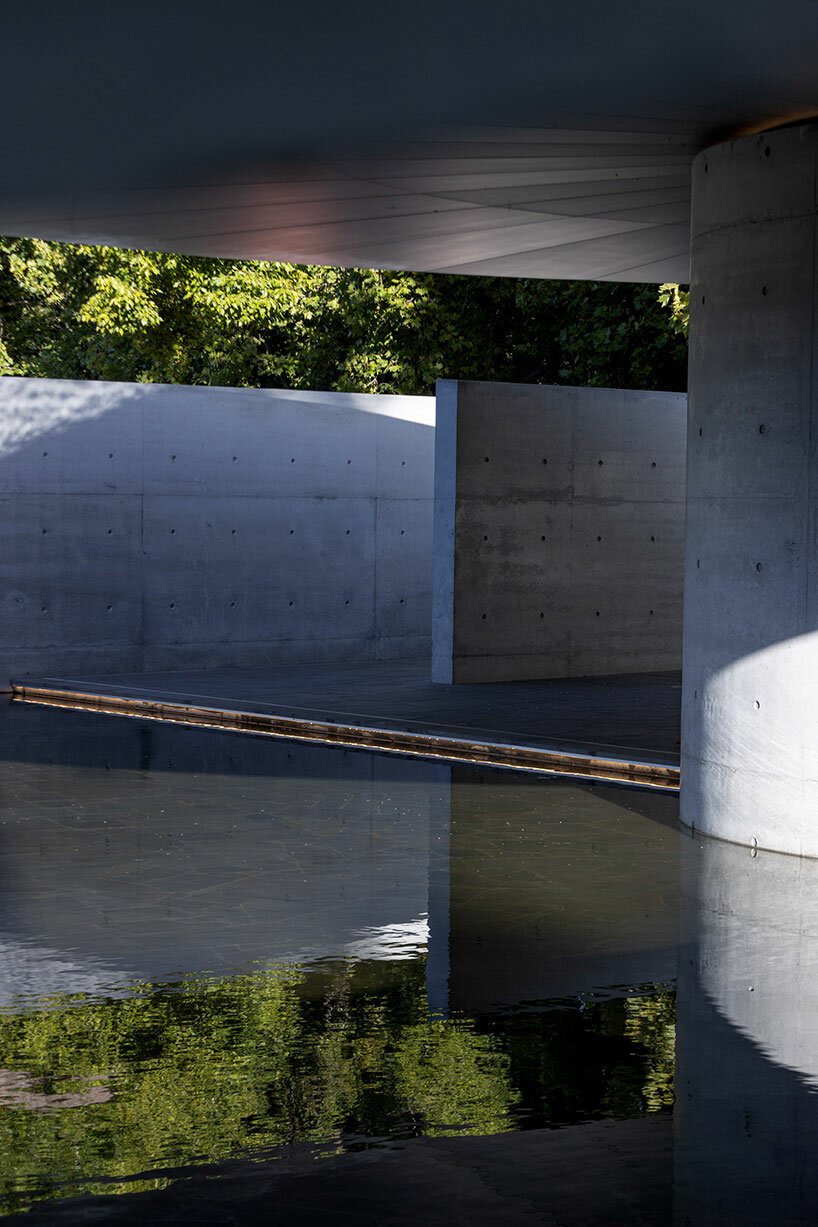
(100, 1095)
(209, 1068)
(651, 1023)
(676, 300)
(73, 311)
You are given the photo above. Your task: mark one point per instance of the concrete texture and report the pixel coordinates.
(558, 532)
(636, 714)
(164, 527)
(750, 710)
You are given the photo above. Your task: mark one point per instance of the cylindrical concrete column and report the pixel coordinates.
(750, 693)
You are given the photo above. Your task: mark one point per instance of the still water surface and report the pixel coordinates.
(238, 974)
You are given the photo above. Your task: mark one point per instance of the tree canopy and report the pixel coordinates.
(74, 311)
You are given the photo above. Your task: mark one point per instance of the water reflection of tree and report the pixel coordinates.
(583, 1060)
(196, 1072)
(211, 1068)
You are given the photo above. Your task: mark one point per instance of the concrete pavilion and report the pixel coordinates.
(536, 140)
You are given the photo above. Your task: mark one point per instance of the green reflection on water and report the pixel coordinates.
(337, 1055)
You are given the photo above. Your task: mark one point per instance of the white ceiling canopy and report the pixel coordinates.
(528, 139)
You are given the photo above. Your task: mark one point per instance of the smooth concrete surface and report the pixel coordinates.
(559, 528)
(631, 714)
(746, 1114)
(148, 526)
(750, 708)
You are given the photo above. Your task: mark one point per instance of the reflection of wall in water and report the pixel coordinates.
(186, 849)
(594, 908)
(747, 1040)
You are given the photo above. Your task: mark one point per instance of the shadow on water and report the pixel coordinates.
(308, 986)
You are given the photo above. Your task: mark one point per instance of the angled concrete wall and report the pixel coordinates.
(166, 527)
(559, 528)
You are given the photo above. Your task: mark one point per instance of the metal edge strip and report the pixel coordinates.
(539, 759)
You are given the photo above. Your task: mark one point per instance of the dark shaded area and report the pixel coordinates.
(599, 1175)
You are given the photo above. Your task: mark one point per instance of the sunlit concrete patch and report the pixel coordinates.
(750, 763)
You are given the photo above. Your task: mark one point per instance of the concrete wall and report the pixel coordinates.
(559, 526)
(749, 695)
(166, 527)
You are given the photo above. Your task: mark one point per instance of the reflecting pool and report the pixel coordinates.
(244, 981)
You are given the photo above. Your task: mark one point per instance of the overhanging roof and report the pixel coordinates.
(522, 139)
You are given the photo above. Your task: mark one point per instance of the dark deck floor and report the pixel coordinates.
(634, 714)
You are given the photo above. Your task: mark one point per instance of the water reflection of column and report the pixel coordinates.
(440, 827)
(747, 1040)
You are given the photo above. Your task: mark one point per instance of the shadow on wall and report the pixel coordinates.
(164, 527)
